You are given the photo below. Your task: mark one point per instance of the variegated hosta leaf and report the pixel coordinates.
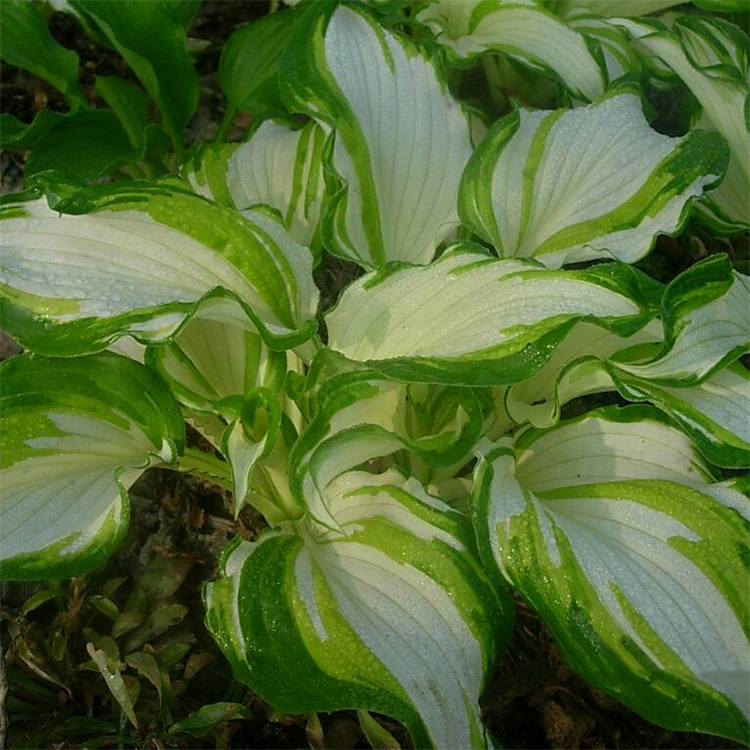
(250, 438)
(475, 320)
(706, 316)
(277, 166)
(74, 434)
(400, 140)
(283, 168)
(221, 373)
(523, 30)
(527, 188)
(392, 615)
(619, 57)
(714, 414)
(578, 367)
(214, 360)
(710, 55)
(362, 418)
(607, 526)
(140, 260)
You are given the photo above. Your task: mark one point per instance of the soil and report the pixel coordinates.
(534, 701)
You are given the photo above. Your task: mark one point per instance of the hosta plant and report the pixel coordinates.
(413, 450)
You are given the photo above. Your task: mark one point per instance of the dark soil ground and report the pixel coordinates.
(180, 525)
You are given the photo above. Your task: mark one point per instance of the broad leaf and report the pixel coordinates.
(400, 140)
(578, 367)
(129, 102)
(250, 59)
(607, 526)
(75, 434)
(706, 316)
(476, 320)
(620, 59)
(706, 327)
(713, 414)
(211, 361)
(523, 30)
(527, 188)
(362, 417)
(154, 44)
(28, 44)
(18, 136)
(394, 615)
(277, 166)
(710, 55)
(85, 145)
(203, 720)
(140, 259)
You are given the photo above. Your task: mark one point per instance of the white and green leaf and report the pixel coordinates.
(715, 414)
(710, 55)
(620, 59)
(276, 166)
(706, 317)
(362, 417)
(527, 188)
(140, 260)
(471, 319)
(75, 433)
(213, 359)
(610, 527)
(283, 168)
(399, 142)
(525, 31)
(393, 615)
(578, 367)
(250, 438)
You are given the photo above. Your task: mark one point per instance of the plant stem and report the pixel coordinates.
(177, 144)
(225, 124)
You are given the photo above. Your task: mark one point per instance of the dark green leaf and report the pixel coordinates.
(183, 11)
(200, 722)
(111, 586)
(37, 600)
(154, 45)
(146, 666)
(249, 65)
(18, 136)
(21, 682)
(129, 102)
(85, 725)
(128, 620)
(172, 648)
(28, 44)
(85, 145)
